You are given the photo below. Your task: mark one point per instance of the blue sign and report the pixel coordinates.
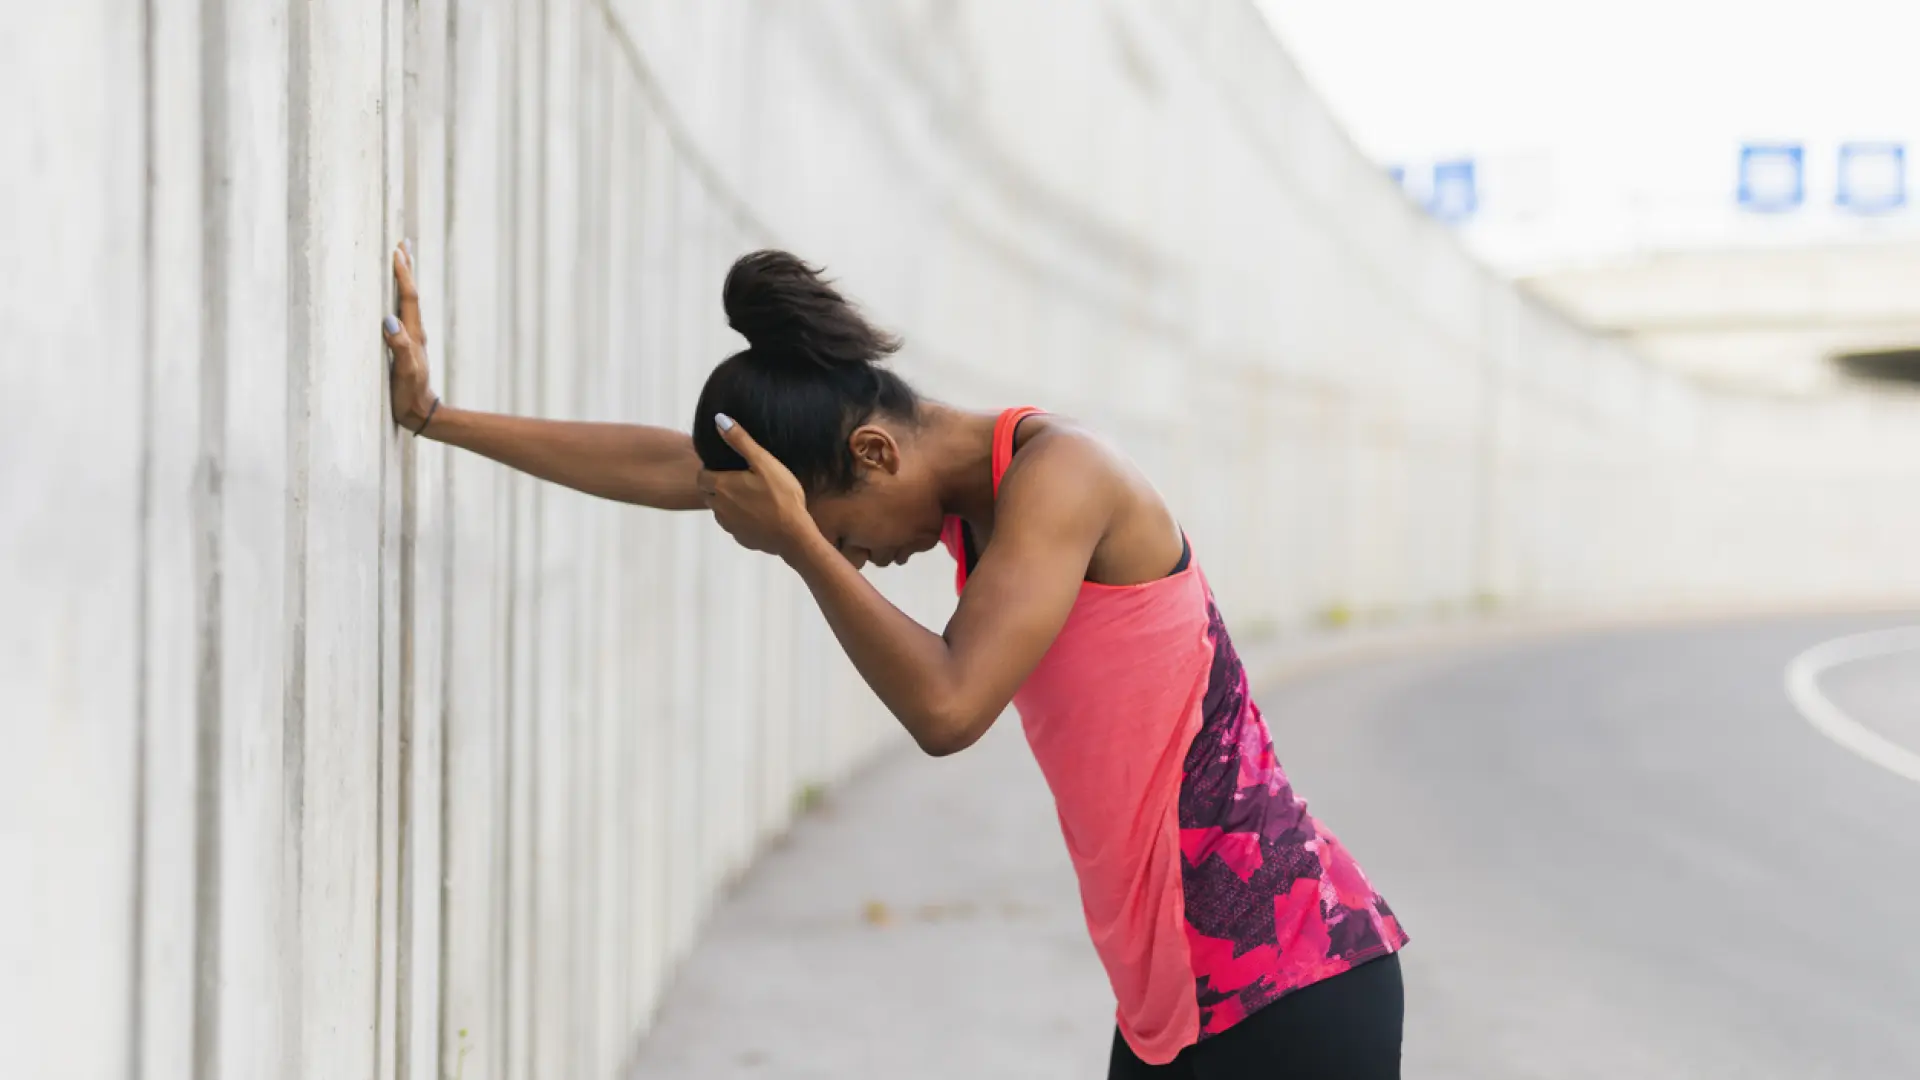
(1456, 192)
(1773, 177)
(1873, 177)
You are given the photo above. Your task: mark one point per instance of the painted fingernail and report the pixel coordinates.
(723, 421)
(407, 246)
(392, 325)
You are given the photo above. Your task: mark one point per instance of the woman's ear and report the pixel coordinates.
(874, 448)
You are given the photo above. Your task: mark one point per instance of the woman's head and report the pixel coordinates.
(809, 389)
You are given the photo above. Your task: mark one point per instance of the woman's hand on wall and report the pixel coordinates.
(630, 463)
(409, 382)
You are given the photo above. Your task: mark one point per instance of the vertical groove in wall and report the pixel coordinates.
(215, 230)
(582, 854)
(536, 554)
(668, 892)
(606, 616)
(143, 612)
(298, 407)
(396, 467)
(506, 383)
(578, 541)
(412, 55)
(626, 836)
(404, 886)
(634, 913)
(448, 90)
(385, 466)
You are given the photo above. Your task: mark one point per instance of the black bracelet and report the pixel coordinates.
(431, 409)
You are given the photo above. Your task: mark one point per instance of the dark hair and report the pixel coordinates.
(808, 377)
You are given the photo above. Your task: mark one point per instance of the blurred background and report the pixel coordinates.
(1726, 191)
(1537, 383)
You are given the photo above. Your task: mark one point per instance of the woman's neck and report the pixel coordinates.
(959, 446)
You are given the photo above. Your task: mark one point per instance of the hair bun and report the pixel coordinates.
(785, 309)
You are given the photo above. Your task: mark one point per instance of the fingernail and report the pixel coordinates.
(392, 324)
(407, 246)
(723, 421)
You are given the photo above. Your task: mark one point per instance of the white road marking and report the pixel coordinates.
(1803, 687)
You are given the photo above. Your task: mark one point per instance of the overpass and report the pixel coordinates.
(333, 754)
(1766, 321)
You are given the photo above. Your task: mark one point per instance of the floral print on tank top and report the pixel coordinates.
(1273, 902)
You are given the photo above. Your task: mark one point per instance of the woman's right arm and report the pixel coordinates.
(630, 463)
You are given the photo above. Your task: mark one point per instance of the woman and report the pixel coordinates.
(1240, 938)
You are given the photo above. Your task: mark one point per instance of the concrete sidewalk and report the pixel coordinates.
(923, 902)
(923, 905)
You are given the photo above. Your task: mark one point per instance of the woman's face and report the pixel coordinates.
(893, 511)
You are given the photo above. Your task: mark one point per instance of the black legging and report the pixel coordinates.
(1345, 1028)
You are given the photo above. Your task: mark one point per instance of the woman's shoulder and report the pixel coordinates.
(1056, 456)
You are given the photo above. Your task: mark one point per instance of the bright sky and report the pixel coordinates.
(1620, 122)
(1497, 75)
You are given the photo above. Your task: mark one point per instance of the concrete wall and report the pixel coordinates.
(333, 754)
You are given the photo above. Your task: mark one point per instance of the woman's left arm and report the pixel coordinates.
(946, 689)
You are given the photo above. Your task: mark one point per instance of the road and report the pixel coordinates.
(1619, 853)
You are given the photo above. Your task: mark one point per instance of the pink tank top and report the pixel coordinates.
(1208, 889)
